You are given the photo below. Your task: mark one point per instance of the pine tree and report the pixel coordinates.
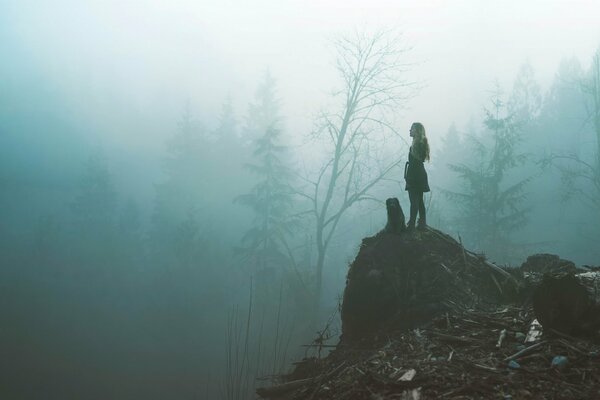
(184, 191)
(578, 159)
(226, 132)
(525, 101)
(94, 213)
(450, 152)
(270, 199)
(492, 198)
(228, 156)
(129, 225)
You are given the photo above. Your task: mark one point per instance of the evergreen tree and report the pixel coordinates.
(579, 159)
(228, 156)
(226, 132)
(184, 191)
(492, 199)
(554, 129)
(264, 112)
(48, 243)
(526, 98)
(93, 210)
(270, 199)
(586, 180)
(451, 151)
(129, 225)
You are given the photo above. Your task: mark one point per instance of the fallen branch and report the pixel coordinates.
(526, 350)
(497, 284)
(486, 368)
(476, 258)
(455, 339)
(279, 390)
(501, 338)
(324, 378)
(571, 347)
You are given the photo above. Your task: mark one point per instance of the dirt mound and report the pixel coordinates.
(399, 281)
(544, 263)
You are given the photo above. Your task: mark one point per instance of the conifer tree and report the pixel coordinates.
(228, 156)
(270, 199)
(451, 151)
(94, 213)
(184, 189)
(492, 199)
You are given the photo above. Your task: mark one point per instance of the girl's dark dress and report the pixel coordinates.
(414, 172)
(416, 184)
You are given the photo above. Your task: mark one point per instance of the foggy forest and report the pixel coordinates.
(184, 185)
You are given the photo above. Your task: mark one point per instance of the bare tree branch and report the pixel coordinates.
(372, 71)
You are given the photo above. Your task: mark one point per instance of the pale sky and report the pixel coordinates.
(147, 56)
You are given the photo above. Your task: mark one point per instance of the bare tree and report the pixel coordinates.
(591, 87)
(356, 133)
(582, 174)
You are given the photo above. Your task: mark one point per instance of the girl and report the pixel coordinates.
(416, 176)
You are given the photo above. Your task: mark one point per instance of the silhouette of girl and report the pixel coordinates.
(416, 176)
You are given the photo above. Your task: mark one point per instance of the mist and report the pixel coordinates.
(166, 226)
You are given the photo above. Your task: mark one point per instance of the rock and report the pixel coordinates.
(568, 302)
(559, 362)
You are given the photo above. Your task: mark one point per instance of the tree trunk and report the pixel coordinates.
(319, 277)
(568, 302)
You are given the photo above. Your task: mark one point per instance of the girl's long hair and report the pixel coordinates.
(420, 140)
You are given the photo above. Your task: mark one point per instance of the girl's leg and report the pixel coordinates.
(422, 217)
(414, 207)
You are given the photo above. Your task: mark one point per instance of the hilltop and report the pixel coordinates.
(424, 318)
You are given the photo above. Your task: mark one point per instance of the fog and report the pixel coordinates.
(165, 225)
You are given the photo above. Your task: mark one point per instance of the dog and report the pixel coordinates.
(395, 217)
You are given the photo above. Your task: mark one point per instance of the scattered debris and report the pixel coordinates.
(426, 364)
(534, 334)
(501, 338)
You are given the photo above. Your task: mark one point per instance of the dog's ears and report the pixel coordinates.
(392, 201)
